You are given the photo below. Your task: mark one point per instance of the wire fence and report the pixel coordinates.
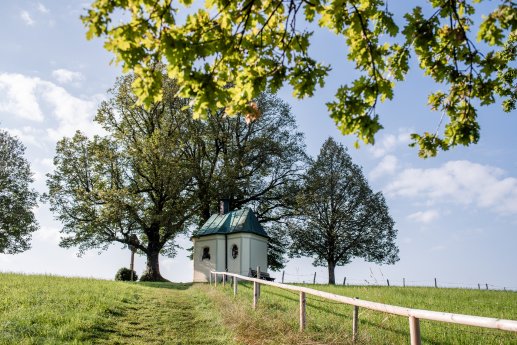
(319, 278)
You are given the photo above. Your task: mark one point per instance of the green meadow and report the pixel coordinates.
(330, 322)
(55, 310)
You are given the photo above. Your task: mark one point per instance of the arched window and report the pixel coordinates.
(206, 253)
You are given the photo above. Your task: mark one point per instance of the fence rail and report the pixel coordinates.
(413, 315)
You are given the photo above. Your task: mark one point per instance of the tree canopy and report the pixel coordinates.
(17, 199)
(158, 171)
(340, 218)
(130, 186)
(225, 53)
(255, 163)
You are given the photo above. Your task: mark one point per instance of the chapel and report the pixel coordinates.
(232, 241)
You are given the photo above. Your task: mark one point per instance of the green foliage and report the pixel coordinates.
(131, 182)
(159, 170)
(254, 163)
(226, 53)
(340, 217)
(277, 247)
(17, 199)
(508, 74)
(124, 274)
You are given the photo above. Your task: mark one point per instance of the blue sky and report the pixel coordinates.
(456, 214)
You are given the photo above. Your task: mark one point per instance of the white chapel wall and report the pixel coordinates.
(258, 252)
(234, 265)
(252, 253)
(202, 267)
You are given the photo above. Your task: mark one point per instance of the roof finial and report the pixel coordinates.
(224, 206)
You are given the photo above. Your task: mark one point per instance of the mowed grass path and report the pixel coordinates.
(56, 310)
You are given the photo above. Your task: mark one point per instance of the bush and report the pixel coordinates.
(124, 274)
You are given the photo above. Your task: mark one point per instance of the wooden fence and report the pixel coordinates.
(413, 315)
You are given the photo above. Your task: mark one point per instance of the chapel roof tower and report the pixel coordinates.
(237, 221)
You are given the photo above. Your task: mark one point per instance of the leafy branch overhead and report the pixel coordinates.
(225, 53)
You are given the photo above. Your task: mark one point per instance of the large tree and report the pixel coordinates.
(131, 186)
(171, 170)
(256, 163)
(17, 199)
(226, 53)
(340, 217)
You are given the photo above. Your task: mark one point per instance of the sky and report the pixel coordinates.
(456, 214)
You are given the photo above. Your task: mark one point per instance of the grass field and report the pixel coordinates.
(56, 310)
(331, 323)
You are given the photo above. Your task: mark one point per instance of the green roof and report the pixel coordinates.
(243, 220)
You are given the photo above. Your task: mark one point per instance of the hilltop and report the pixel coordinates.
(57, 310)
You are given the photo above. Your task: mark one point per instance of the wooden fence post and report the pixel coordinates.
(314, 279)
(344, 281)
(210, 278)
(302, 311)
(258, 277)
(255, 295)
(414, 330)
(224, 280)
(355, 323)
(388, 282)
(215, 277)
(235, 282)
(283, 272)
(435, 284)
(404, 282)
(486, 285)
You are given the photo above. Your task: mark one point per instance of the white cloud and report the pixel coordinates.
(65, 76)
(387, 165)
(41, 167)
(46, 162)
(48, 234)
(389, 142)
(26, 17)
(38, 100)
(461, 182)
(424, 216)
(42, 8)
(71, 112)
(17, 96)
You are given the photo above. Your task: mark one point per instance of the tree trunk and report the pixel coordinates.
(204, 200)
(205, 211)
(332, 277)
(152, 268)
